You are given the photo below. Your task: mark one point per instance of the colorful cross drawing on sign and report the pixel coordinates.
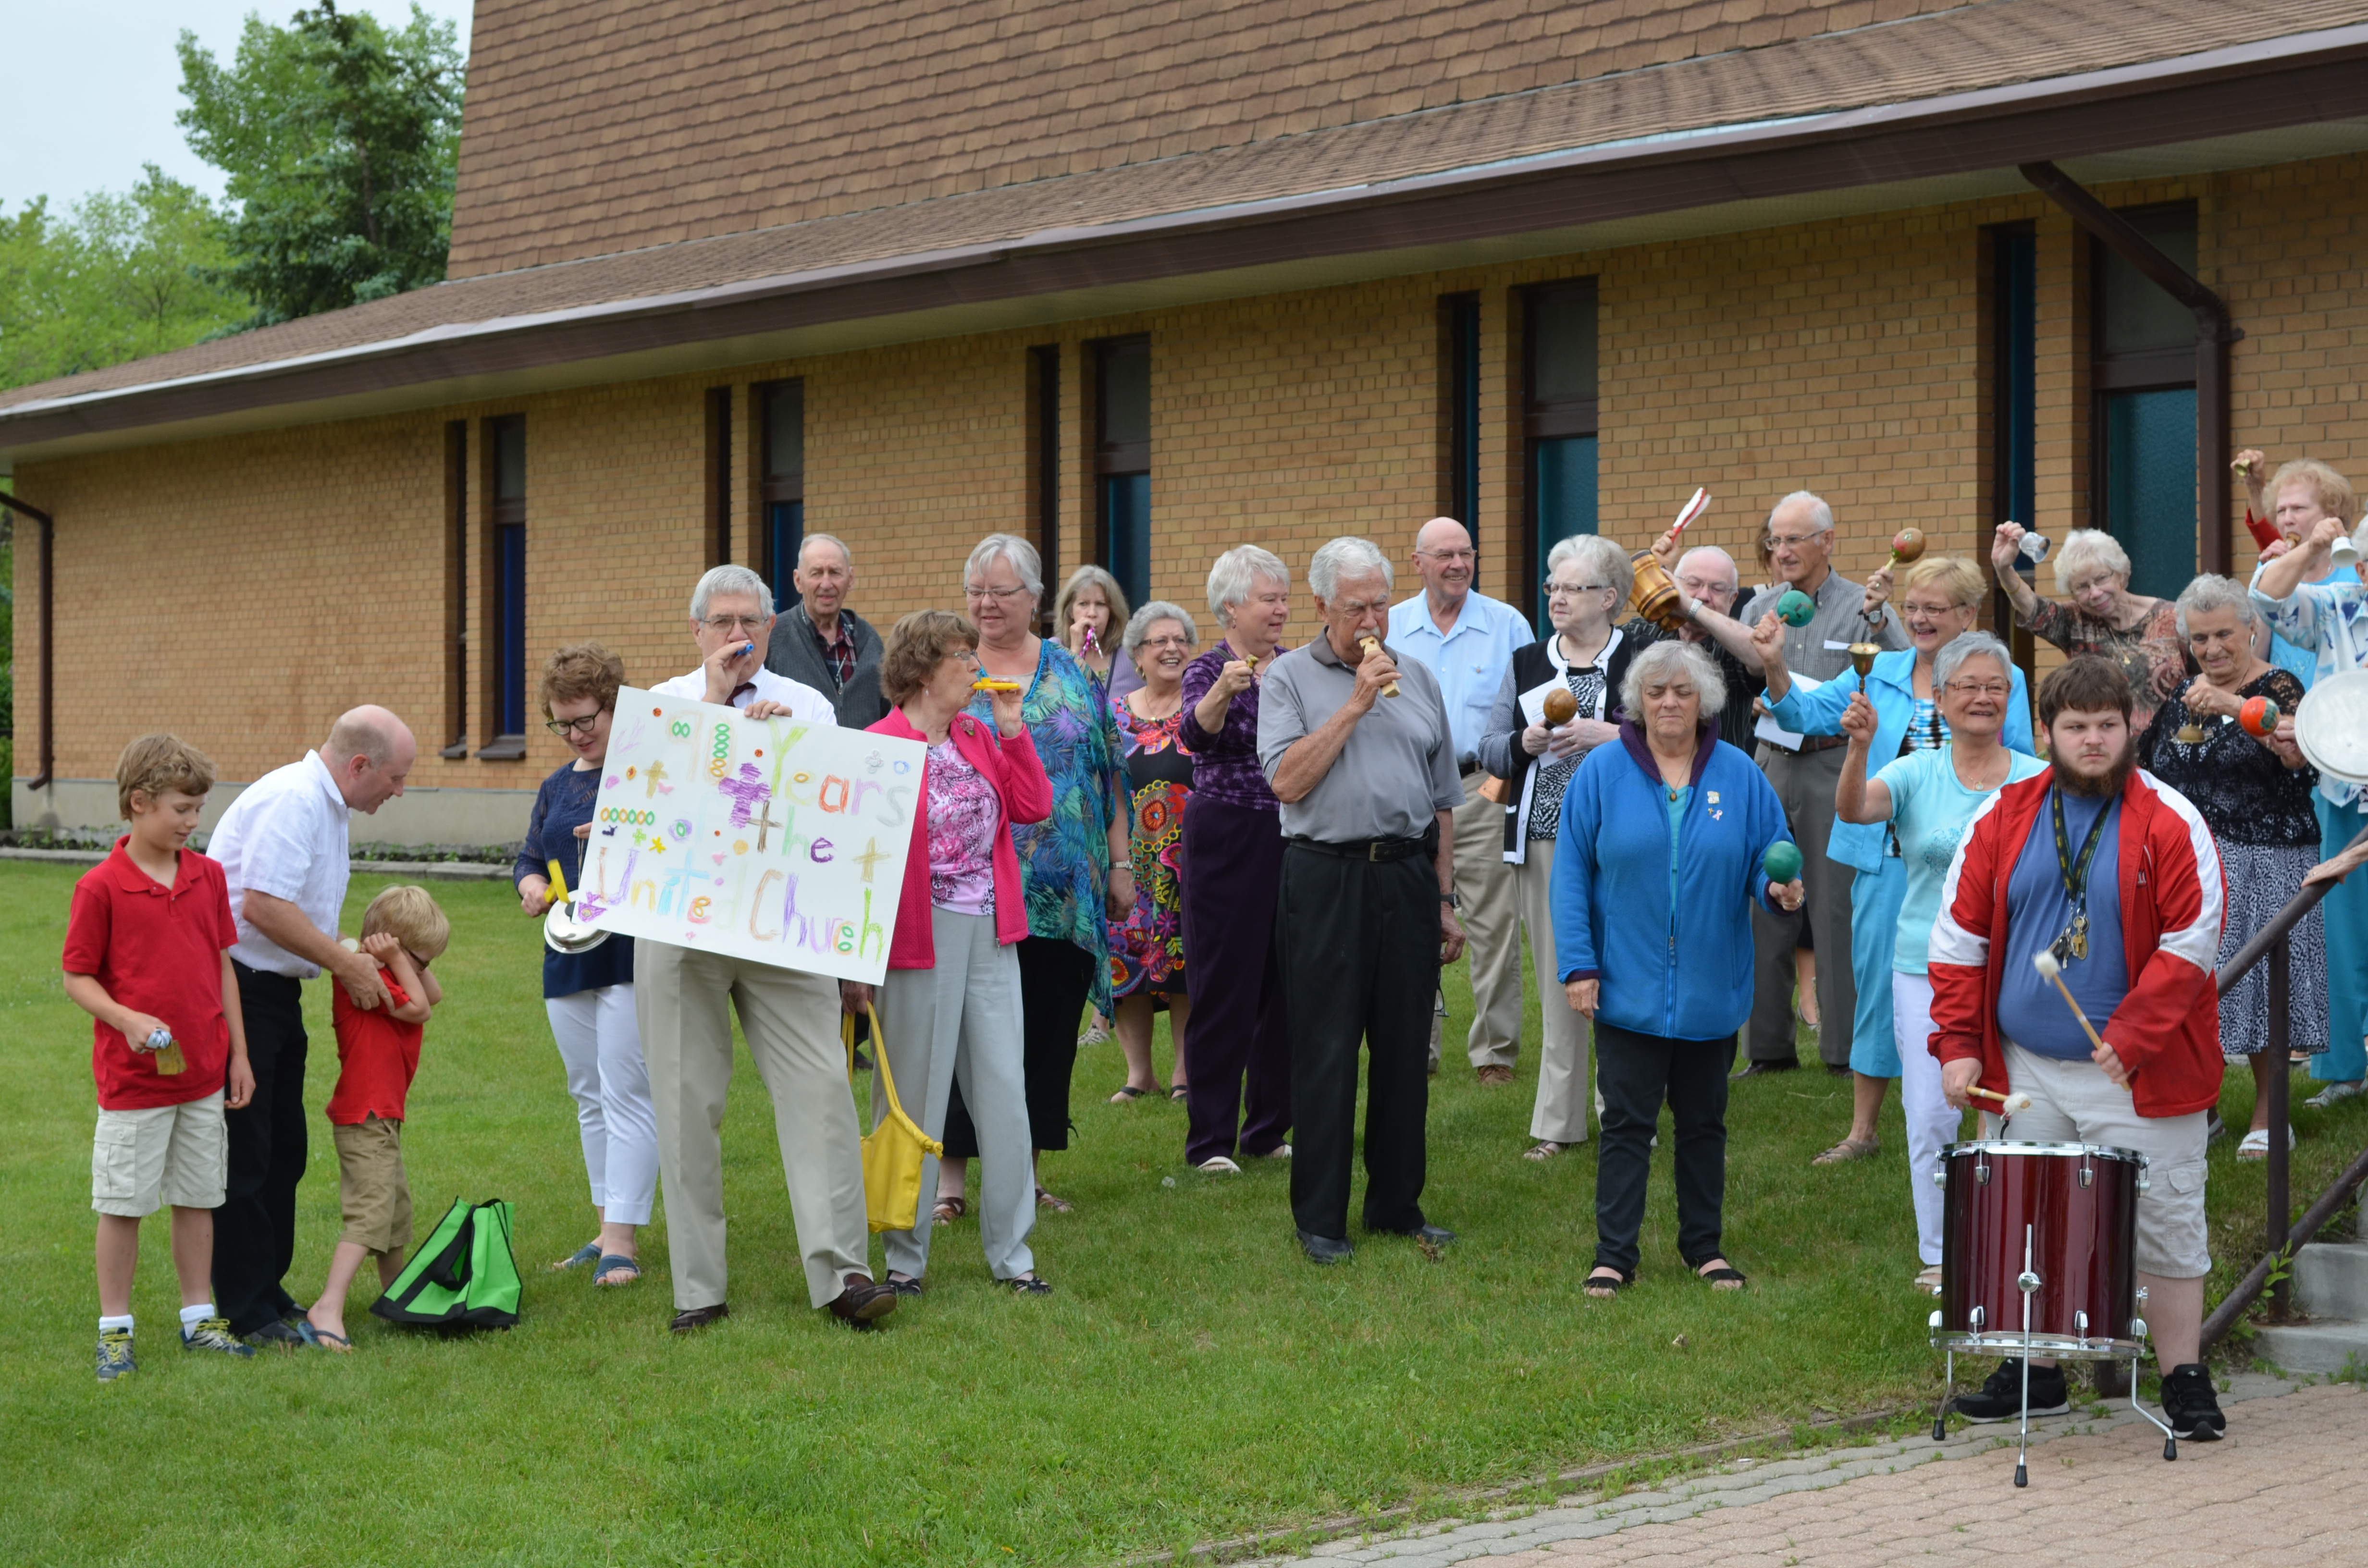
(767, 839)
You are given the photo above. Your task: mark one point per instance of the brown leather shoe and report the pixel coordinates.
(699, 1317)
(863, 1302)
(1496, 1077)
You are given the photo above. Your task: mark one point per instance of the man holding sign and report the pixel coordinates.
(685, 996)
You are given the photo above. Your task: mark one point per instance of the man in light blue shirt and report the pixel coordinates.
(1466, 639)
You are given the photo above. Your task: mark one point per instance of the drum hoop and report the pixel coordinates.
(2054, 1150)
(2057, 1346)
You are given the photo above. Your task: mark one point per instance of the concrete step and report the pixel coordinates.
(2330, 1279)
(2329, 1346)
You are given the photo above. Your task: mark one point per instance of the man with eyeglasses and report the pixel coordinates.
(684, 1001)
(1708, 584)
(1467, 641)
(822, 644)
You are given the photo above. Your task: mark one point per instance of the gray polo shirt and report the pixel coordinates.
(1397, 770)
(1821, 649)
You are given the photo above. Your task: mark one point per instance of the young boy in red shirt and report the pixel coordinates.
(147, 957)
(378, 1056)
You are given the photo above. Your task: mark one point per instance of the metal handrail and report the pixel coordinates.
(2274, 942)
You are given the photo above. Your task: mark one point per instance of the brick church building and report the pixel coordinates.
(1144, 282)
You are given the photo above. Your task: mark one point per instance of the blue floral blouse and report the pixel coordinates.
(1064, 859)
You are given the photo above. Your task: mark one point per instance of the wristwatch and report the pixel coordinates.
(1452, 900)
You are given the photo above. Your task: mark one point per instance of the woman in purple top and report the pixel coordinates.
(1233, 869)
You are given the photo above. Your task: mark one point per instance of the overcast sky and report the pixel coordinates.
(92, 87)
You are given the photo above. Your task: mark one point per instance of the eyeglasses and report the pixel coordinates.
(1791, 541)
(734, 625)
(1004, 595)
(1168, 641)
(1918, 611)
(1572, 590)
(1450, 554)
(1981, 688)
(565, 727)
(1704, 587)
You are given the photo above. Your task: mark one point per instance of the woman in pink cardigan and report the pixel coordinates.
(951, 1004)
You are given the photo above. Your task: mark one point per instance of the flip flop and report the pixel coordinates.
(1179, 1091)
(589, 1253)
(1849, 1149)
(610, 1263)
(325, 1339)
(1127, 1092)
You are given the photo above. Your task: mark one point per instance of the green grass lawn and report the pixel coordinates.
(1191, 1378)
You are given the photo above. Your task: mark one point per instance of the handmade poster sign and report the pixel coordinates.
(770, 839)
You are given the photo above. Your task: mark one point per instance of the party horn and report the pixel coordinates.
(1783, 861)
(1560, 706)
(2260, 717)
(2007, 1104)
(1796, 609)
(988, 683)
(1907, 545)
(1693, 509)
(557, 891)
(1372, 644)
(2044, 962)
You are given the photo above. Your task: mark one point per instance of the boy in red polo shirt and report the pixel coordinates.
(378, 1056)
(147, 957)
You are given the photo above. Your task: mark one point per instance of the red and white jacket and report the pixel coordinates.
(2167, 1030)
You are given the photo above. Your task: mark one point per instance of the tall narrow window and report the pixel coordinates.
(719, 475)
(2142, 437)
(2014, 396)
(506, 515)
(784, 497)
(456, 591)
(1558, 420)
(1044, 459)
(1459, 488)
(1123, 459)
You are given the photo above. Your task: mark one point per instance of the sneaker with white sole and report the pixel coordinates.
(115, 1358)
(1218, 1165)
(2191, 1407)
(214, 1333)
(2000, 1398)
(2335, 1094)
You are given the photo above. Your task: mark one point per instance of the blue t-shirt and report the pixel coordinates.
(1679, 800)
(2031, 1010)
(1930, 809)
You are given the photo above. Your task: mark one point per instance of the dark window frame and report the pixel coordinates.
(2012, 334)
(1044, 463)
(718, 499)
(780, 523)
(1548, 419)
(1121, 460)
(1459, 409)
(504, 663)
(2115, 373)
(456, 591)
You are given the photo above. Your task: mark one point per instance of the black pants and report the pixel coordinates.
(1360, 944)
(1240, 1024)
(1055, 977)
(1636, 1074)
(255, 1230)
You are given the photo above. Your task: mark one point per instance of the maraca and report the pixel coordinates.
(1796, 609)
(2259, 717)
(1561, 708)
(1783, 861)
(1907, 545)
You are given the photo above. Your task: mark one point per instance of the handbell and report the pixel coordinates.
(1654, 597)
(1861, 658)
(2344, 553)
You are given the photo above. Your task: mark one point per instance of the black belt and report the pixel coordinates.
(1378, 850)
(1467, 765)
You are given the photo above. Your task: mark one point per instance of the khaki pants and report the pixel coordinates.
(1564, 1084)
(683, 999)
(1491, 915)
(1805, 785)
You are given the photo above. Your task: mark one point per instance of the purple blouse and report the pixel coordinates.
(1224, 764)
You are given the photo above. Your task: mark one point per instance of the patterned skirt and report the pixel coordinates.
(1147, 949)
(2262, 880)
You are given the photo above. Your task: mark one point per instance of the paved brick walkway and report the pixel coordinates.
(2281, 1489)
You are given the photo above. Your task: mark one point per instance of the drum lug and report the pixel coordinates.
(2088, 1176)
(1982, 1171)
(2137, 1328)
(1934, 1320)
(2144, 1185)
(2141, 1296)
(1977, 1318)
(1940, 1175)
(2081, 1321)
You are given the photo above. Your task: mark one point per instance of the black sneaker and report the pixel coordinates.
(2189, 1403)
(2001, 1398)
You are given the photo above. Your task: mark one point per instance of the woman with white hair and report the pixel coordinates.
(1146, 941)
(2099, 615)
(1661, 852)
(1588, 579)
(2254, 792)
(1073, 865)
(1239, 1028)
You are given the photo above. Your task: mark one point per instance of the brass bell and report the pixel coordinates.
(1861, 658)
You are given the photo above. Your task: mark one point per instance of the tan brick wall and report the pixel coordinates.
(245, 590)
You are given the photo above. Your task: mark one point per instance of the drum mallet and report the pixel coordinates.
(2044, 962)
(2007, 1104)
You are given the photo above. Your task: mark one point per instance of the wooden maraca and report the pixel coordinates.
(1560, 707)
(1796, 609)
(2258, 718)
(1372, 644)
(1907, 545)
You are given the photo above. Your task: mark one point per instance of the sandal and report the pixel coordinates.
(589, 1253)
(1056, 1205)
(1544, 1149)
(2255, 1145)
(323, 1338)
(1725, 1276)
(1849, 1149)
(1127, 1092)
(612, 1265)
(947, 1211)
(1176, 1091)
(1607, 1283)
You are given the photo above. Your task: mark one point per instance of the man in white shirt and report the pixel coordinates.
(283, 851)
(1466, 638)
(685, 999)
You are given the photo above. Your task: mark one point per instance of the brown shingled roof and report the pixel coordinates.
(1959, 50)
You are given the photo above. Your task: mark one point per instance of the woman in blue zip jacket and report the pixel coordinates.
(1658, 860)
(1941, 598)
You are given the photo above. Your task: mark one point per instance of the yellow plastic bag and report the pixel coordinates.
(891, 1151)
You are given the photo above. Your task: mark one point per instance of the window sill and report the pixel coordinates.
(456, 751)
(503, 748)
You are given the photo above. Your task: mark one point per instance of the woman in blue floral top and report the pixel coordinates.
(1072, 866)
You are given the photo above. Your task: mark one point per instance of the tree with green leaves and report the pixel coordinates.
(117, 278)
(341, 138)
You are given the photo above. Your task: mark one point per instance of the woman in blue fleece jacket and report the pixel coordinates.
(1657, 864)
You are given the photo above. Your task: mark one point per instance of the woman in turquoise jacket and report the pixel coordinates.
(1940, 601)
(1658, 856)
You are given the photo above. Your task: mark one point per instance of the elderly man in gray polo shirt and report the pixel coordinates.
(1366, 913)
(1801, 536)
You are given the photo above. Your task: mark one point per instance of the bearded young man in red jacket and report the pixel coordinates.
(2114, 872)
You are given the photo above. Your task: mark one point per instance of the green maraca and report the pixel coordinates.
(1783, 861)
(1796, 609)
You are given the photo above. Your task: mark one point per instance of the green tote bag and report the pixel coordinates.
(463, 1276)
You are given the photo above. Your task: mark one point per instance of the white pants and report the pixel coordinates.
(600, 1042)
(1932, 1122)
(1560, 1113)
